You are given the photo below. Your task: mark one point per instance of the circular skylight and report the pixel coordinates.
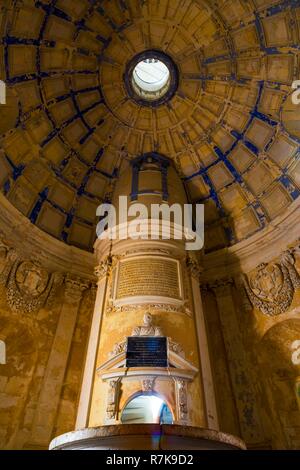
(151, 75)
(151, 78)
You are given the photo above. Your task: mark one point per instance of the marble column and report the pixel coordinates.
(55, 371)
(102, 272)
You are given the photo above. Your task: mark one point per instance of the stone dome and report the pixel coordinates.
(70, 127)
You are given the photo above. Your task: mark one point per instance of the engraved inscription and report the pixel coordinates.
(146, 352)
(148, 276)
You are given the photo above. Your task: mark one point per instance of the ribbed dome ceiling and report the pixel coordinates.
(231, 128)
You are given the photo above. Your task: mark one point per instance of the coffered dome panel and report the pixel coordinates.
(70, 125)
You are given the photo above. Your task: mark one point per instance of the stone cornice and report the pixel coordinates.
(31, 241)
(263, 247)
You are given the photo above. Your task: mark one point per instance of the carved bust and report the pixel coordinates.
(147, 329)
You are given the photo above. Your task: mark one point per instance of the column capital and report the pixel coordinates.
(194, 268)
(74, 288)
(103, 268)
(222, 287)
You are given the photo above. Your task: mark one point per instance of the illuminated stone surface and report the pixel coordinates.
(224, 126)
(69, 130)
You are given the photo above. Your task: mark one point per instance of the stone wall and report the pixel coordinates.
(251, 301)
(45, 315)
(254, 326)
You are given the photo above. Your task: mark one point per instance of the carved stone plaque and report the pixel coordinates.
(148, 277)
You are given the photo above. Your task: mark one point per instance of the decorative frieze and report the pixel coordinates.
(113, 308)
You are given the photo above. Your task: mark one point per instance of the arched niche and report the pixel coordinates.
(146, 408)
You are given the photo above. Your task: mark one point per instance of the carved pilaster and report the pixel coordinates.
(58, 359)
(182, 407)
(113, 399)
(237, 357)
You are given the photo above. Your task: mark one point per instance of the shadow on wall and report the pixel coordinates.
(255, 379)
(15, 377)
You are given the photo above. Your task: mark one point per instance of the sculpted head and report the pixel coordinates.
(147, 319)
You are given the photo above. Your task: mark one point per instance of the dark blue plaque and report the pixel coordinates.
(147, 351)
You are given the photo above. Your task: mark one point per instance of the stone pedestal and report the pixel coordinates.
(146, 437)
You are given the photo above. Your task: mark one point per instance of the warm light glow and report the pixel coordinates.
(155, 404)
(145, 409)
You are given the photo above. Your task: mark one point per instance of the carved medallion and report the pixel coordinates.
(30, 286)
(31, 279)
(267, 282)
(271, 287)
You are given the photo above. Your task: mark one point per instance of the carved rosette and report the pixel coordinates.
(271, 287)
